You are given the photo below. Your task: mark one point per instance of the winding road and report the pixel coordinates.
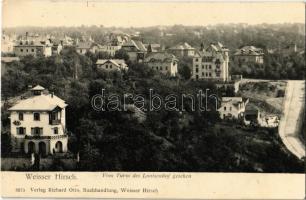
(291, 121)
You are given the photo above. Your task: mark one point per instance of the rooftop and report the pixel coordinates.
(134, 43)
(43, 102)
(117, 62)
(182, 46)
(249, 50)
(160, 56)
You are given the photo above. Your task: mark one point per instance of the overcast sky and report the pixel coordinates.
(75, 13)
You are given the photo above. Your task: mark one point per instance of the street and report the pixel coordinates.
(291, 122)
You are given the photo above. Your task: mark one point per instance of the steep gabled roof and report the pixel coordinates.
(182, 46)
(117, 62)
(134, 43)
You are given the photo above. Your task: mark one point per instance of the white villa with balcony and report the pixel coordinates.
(38, 124)
(232, 107)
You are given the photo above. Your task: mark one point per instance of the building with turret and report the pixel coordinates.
(211, 63)
(38, 123)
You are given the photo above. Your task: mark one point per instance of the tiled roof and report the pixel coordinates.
(234, 100)
(38, 87)
(134, 43)
(160, 56)
(249, 50)
(44, 102)
(29, 43)
(117, 62)
(182, 46)
(85, 45)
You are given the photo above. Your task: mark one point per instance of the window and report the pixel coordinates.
(161, 68)
(209, 74)
(55, 130)
(32, 50)
(21, 130)
(106, 66)
(36, 116)
(166, 68)
(205, 66)
(206, 74)
(156, 68)
(110, 66)
(224, 108)
(202, 66)
(197, 70)
(202, 73)
(21, 50)
(196, 60)
(209, 66)
(20, 116)
(37, 131)
(231, 108)
(27, 50)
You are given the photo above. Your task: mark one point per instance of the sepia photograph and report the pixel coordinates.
(182, 87)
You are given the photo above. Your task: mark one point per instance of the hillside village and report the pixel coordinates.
(48, 81)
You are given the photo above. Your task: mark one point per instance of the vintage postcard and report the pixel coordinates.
(152, 100)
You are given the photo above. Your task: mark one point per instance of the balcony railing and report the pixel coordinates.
(55, 122)
(39, 137)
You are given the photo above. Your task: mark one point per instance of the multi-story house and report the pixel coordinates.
(211, 63)
(33, 47)
(111, 64)
(136, 50)
(249, 54)
(38, 123)
(232, 107)
(109, 49)
(154, 47)
(182, 50)
(7, 44)
(164, 63)
(84, 47)
(57, 46)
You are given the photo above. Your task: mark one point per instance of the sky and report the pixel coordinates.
(141, 14)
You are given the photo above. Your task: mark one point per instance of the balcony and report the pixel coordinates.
(40, 137)
(55, 122)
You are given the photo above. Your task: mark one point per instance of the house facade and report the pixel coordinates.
(38, 124)
(211, 63)
(32, 47)
(164, 63)
(84, 47)
(111, 64)
(232, 107)
(109, 49)
(7, 44)
(136, 50)
(249, 54)
(182, 50)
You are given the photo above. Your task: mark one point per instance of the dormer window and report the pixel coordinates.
(55, 130)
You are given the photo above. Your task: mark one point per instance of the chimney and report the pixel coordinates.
(52, 93)
(27, 35)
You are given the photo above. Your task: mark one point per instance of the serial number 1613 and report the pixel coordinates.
(20, 190)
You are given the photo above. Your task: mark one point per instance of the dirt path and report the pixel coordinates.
(291, 121)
